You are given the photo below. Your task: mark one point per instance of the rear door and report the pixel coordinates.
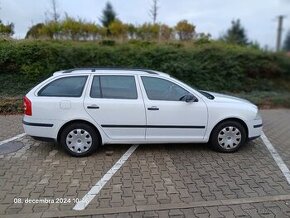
(168, 117)
(115, 103)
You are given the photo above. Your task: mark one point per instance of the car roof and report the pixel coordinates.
(105, 70)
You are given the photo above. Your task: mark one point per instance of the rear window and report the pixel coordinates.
(116, 87)
(64, 87)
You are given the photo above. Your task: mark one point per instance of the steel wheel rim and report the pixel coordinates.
(79, 140)
(229, 137)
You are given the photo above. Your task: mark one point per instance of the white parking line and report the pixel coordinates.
(12, 139)
(283, 167)
(82, 204)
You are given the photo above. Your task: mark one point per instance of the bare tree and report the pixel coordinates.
(154, 11)
(53, 13)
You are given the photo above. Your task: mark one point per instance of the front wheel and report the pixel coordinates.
(228, 136)
(79, 139)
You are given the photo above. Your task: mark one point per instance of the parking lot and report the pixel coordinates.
(178, 180)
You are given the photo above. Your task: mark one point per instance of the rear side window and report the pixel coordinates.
(64, 87)
(116, 87)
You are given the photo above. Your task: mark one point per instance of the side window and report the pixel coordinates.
(161, 89)
(64, 87)
(116, 87)
(96, 88)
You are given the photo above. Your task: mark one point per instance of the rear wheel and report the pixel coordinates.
(228, 136)
(79, 139)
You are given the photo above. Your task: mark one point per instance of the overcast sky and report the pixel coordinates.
(259, 17)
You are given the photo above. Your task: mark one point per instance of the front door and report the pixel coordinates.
(169, 118)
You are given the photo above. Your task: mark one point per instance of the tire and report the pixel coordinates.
(228, 136)
(79, 139)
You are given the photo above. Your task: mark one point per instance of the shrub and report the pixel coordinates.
(10, 105)
(107, 42)
(32, 72)
(263, 77)
(215, 66)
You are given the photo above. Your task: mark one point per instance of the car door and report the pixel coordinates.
(115, 103)
(169, 118)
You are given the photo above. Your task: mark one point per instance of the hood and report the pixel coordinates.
(228, 98)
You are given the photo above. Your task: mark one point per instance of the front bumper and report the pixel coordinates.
(255, 128)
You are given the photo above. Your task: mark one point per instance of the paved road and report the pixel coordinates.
(10, 126)
(156, 181)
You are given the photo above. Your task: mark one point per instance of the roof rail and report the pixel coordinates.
(93, 69)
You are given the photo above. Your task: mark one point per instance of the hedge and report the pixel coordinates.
(212, 66)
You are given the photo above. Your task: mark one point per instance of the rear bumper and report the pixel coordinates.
(39, 129)
(37, 124)
(43, 139)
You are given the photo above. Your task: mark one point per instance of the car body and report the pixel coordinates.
(134, 106)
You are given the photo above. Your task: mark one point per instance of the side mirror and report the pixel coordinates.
(189, 98)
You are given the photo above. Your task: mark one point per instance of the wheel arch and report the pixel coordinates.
(232, 119)
(79, 121)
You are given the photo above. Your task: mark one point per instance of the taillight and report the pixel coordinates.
(27, 106)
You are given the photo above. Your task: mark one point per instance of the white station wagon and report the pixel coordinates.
(87, 107)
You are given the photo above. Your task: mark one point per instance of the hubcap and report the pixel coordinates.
(79, 140)
(229, 137)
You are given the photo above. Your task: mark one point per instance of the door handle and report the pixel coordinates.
(93, 107)
(153, 108)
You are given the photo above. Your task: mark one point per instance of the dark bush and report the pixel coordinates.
(108, 42)
(215, 66)
(10, 105)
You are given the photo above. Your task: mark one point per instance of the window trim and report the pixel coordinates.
(101, 91)
(59, 78)
(167, 81)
